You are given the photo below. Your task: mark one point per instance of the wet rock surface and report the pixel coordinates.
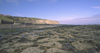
(62, 39)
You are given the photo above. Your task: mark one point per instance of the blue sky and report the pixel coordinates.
(64, 11)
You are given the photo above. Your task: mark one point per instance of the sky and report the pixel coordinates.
(63, 11)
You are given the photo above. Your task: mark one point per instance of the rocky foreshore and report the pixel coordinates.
(61, 39)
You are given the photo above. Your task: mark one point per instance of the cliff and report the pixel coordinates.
(45, 22)
(26, 20)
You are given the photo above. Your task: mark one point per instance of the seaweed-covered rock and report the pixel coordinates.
(32, 50)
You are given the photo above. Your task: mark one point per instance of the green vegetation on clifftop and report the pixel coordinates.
(27, 20)
(5, 18)
(17, 19)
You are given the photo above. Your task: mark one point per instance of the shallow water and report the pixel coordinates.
(1, 37)
(72, 39)
(41, 30)
(1, 34)
(33, 34)
(29, 32)
(23, 36)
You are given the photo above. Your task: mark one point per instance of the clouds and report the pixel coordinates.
(10, 1)
(13, 1)
(18, 14)
(32, 0)
(97, 7)
(87, 20)
(44, 0)
(17, 1)
(54, 0)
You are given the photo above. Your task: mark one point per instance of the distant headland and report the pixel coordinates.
(8, 19)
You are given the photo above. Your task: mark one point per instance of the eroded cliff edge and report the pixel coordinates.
(16, 19)
(43, 22)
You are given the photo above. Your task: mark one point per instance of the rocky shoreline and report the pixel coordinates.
(61, 39)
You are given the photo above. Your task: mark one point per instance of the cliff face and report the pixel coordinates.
(27, 20)
(46, 22)
(34, 21)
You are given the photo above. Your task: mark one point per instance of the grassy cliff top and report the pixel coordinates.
(5, 18)
(17, 19)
